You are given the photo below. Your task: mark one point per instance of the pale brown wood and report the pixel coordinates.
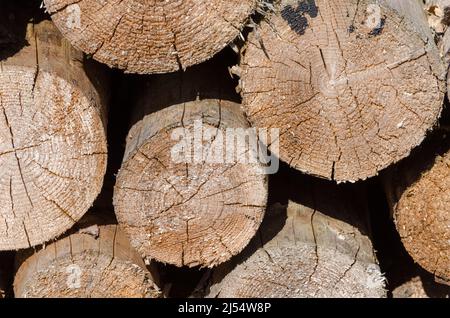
(52, 137)
(97, 261)
(418, 190)
(141, 36)
(351, 95)
(197, 213)
(4, 272)
(317, 247)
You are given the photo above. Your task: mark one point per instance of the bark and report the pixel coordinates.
(196, 212)
(351, 93)
(151, 37)
(419, 198)
(52, 137)
(95, 262)
(318, 247)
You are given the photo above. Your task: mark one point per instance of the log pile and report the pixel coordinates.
(351, 91)
(4, 273)
(97, 261)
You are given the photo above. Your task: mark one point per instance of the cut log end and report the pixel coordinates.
(312, 256)
(351, 96)
(196, 213)
(83, 265)
(284, 276)
(52, 141)
(146, 37)
(420, 206)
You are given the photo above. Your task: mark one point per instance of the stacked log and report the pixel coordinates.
(354, 85)
(438, 13)
(97, 261)
(52, 136)
(418, 190)
(317, 247)
(198, 212)
(148, 37)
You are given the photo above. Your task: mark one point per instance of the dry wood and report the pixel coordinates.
(419, 195)
(143, 36)
(95, 262)
(418, 287)
(302, 252)
(438, 13)
(3, 276)
(187, 213)
(52, 138)
(351, 93)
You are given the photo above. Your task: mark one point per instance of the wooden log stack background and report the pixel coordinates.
(95, 96)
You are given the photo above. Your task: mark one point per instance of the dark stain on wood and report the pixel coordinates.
(296, 18)
(379, 29)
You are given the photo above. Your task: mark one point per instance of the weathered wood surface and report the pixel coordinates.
(354, 85)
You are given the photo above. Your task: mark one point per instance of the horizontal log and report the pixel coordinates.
(53, 148)
(316, 247)
(418, 192)
(148, 37)
(195, 212)
(95, 262)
